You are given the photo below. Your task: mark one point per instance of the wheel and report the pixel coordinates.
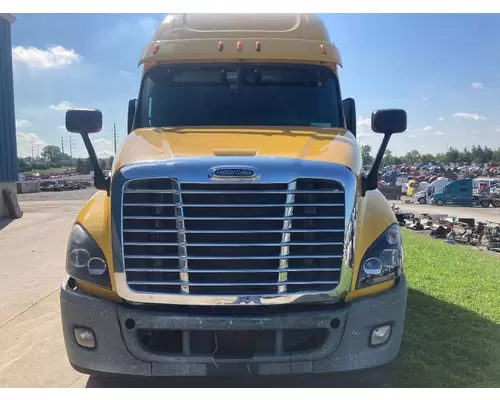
(422, 200)
(484, 203)
(440, 203)
(495, 203)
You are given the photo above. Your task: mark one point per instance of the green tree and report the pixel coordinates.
(427, 158)
(80, 166)
(388, 158)
(366, 156)
(52, 154)
(88, 166)
(412, 157)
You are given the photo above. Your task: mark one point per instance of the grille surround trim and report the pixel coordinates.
(194, 170)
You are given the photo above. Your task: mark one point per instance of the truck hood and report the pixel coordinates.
(316, 144)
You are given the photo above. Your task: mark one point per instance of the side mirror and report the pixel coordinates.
(132, 104)
(349, 106)
(83, 120)
(388, 122)
(86, 121)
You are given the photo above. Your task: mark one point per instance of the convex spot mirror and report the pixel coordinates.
(389, 121)
(83, 120)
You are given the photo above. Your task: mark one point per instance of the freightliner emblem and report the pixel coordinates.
(232, 173)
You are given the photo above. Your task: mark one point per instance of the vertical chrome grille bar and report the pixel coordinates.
(181, 236)
(286, 237)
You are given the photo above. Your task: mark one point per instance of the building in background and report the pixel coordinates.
(8, 145)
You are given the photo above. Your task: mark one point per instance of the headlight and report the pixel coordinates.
(85, 260)
(384, 259)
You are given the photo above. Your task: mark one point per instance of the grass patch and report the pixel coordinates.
(452, 333)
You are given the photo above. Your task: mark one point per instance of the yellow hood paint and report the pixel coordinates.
(315, 144)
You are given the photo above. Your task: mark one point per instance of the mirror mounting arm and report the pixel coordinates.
(100, 182)
(370, 181)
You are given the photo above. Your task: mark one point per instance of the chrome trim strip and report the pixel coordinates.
(177, 283)
(159, 191)
(181, 238)
(280, 257)
(235, 244)
(146, 217)
(271, 170)
(255, 205)
(234, 231)
(286, 237)
(216, 271)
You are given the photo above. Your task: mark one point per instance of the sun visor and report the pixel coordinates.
(212, 37)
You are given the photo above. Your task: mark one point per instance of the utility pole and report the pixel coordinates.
(32, 151)
(62, 145)
(114, 135)
(71, 146)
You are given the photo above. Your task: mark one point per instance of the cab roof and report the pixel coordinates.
(186, 37)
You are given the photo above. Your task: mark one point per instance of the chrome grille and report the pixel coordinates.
(233, 238)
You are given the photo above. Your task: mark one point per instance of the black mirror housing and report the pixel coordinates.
(83, 120)
(349, 106)
(132, 104)
(389, 121)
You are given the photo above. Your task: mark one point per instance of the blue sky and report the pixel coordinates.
(443, 69)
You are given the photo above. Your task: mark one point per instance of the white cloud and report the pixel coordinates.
(28, 142)
(53, 57)
(441, 119)
(439, 133)
(364, 122)
(477, 85)
(22, 122)
(364, 127)
(412, 135)
(475, 132)
(62, 127)
(104, 148)
(497, 129)
(62, 106)
(424, 129)
(469, 116)
(424, 99)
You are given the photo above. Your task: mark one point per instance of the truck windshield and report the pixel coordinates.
(232, 95)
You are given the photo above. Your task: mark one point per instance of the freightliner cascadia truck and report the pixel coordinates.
(237, 232)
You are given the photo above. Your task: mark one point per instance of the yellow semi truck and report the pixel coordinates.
(236, 233)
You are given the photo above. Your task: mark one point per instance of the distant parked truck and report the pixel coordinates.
(459, 193)
(436, 187)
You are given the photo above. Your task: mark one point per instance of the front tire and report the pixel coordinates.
(485, 203)
(440, 203)
(422, 200)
